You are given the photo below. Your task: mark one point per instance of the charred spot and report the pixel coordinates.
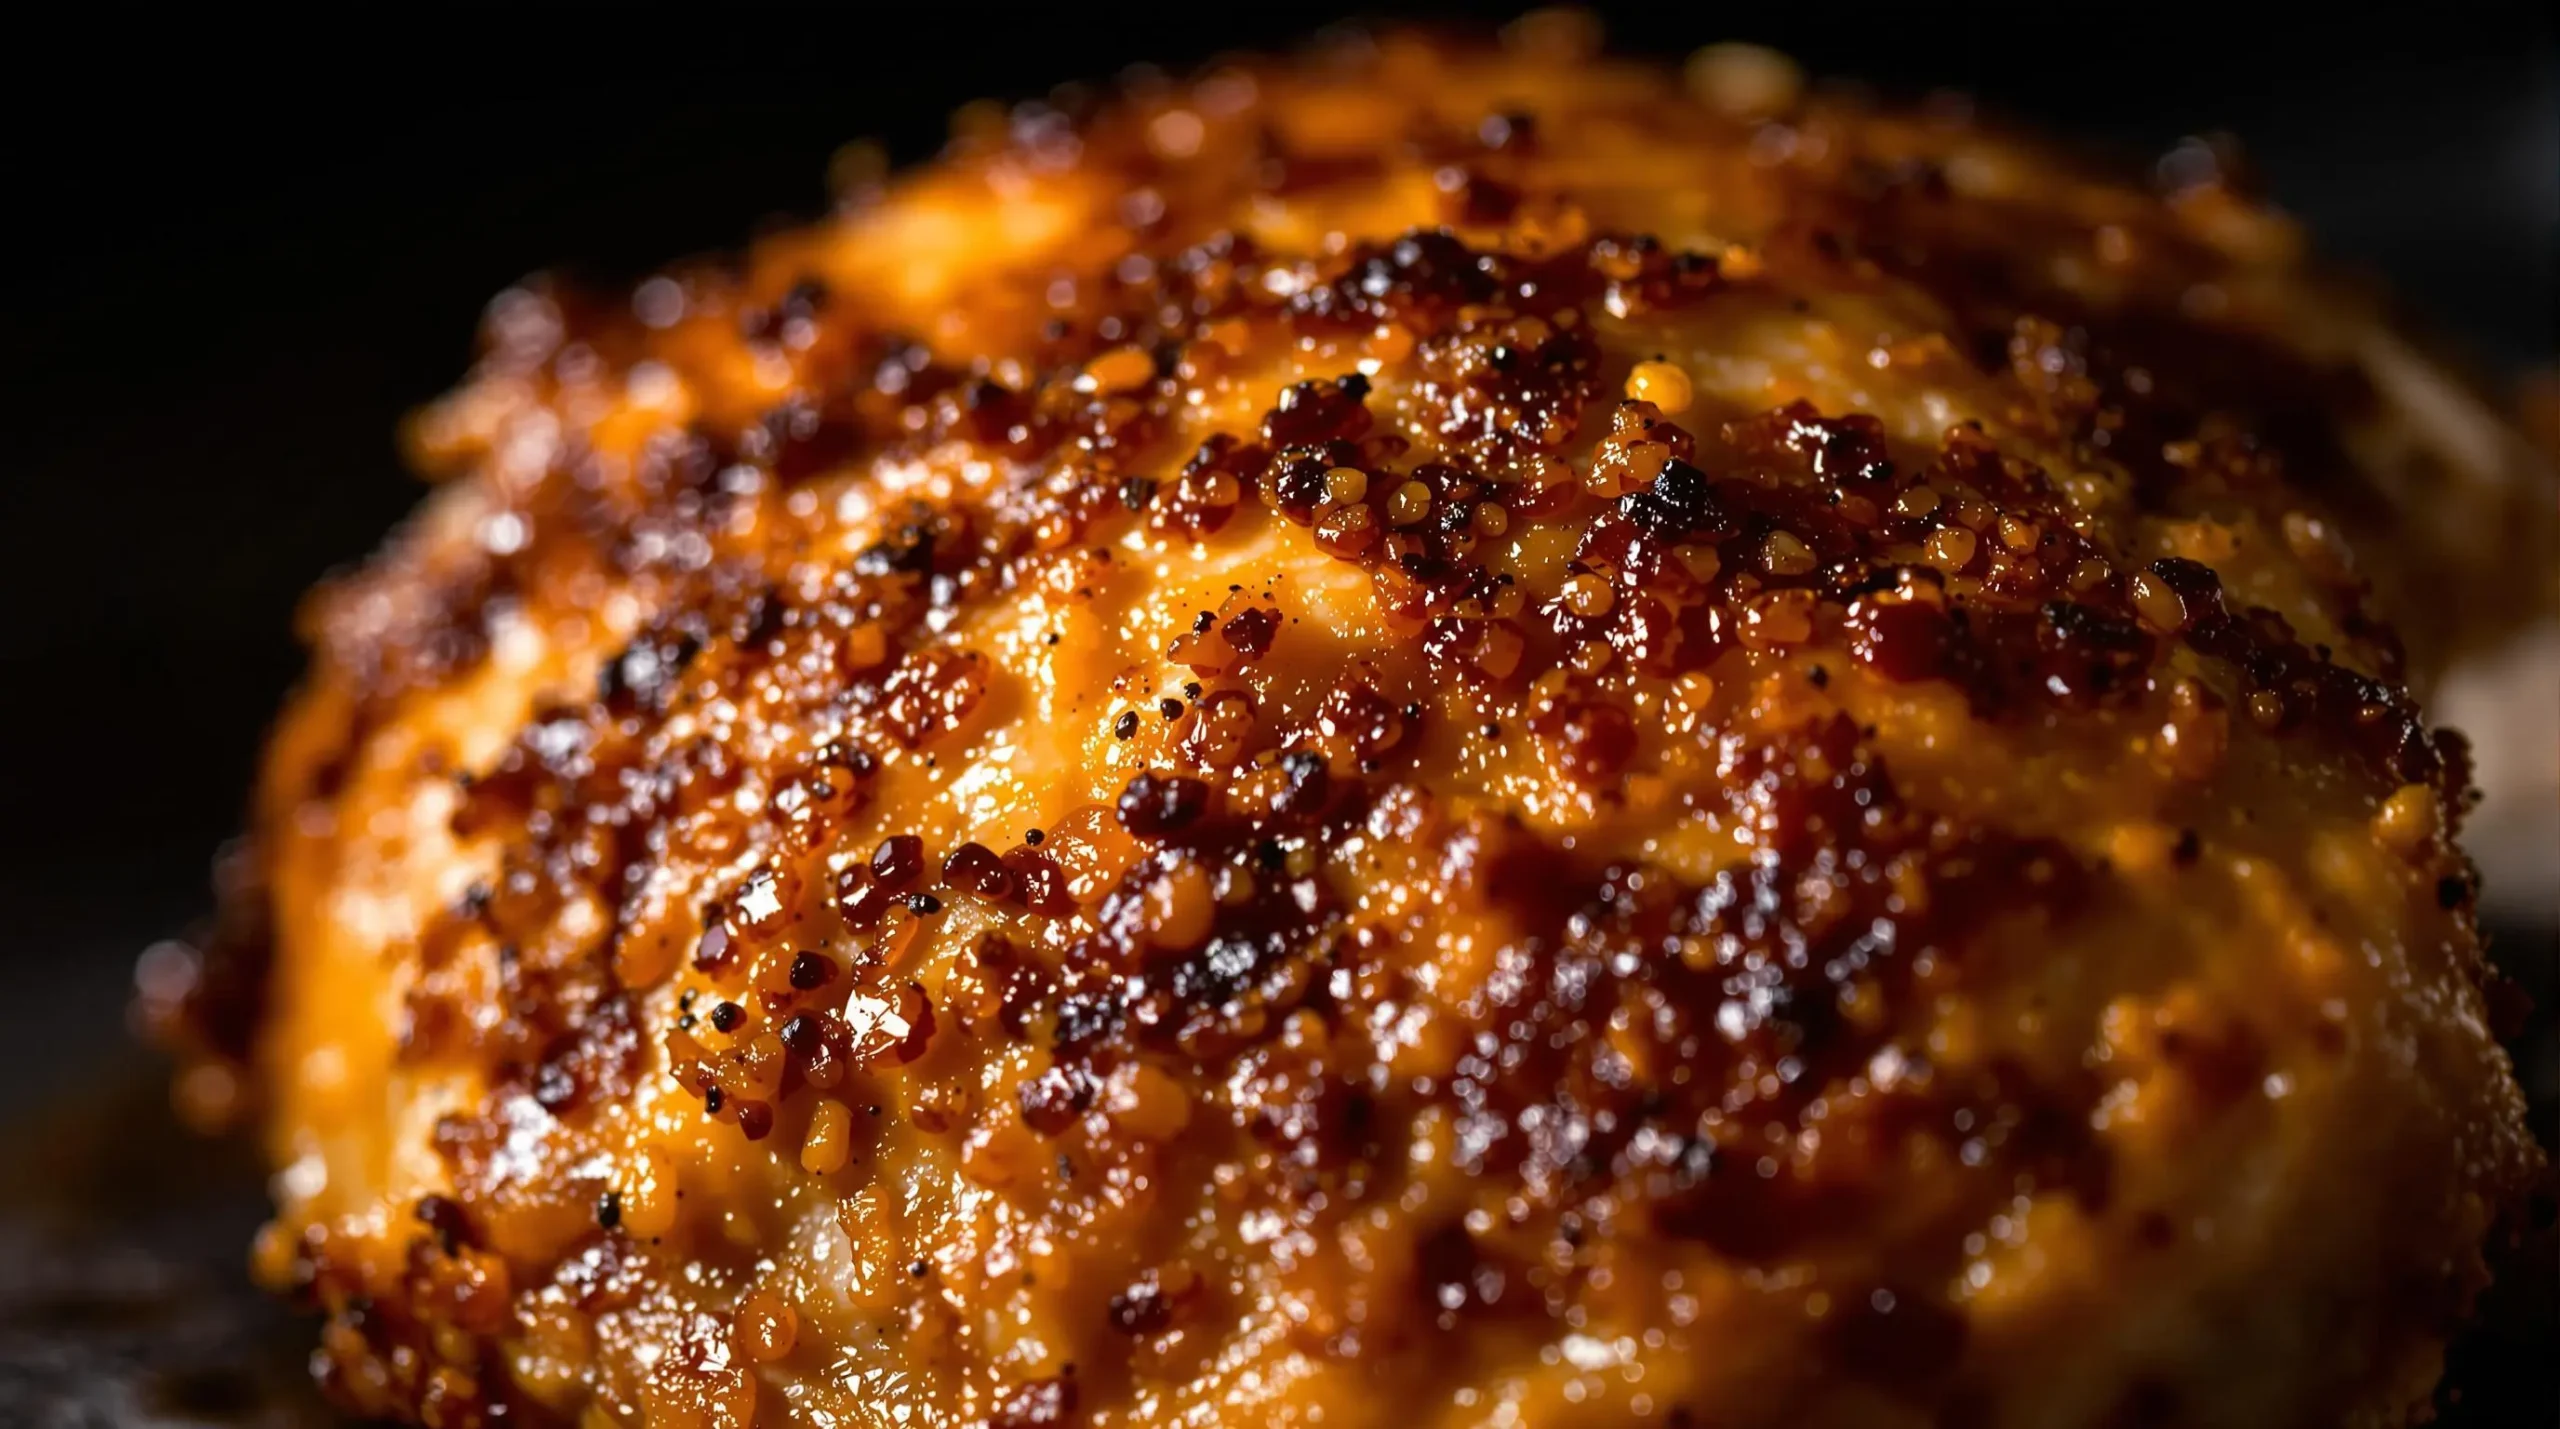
(2088, 653)
(445, 1219)
(1518, 384)
(801, 440)
(1838, 449)
(1593, 739)
(1223, 968)
(595, 1063)
(1307, 787)
(1087, 1016)
(1294, 482)
(1251, 975)
(991, 414)
(1317, 411)
(898, 860)
(861, 900)
(1053, 1100)
(1740, 981)
(2290, 687)
(802, 1034)
(1421, 280)
(908, 550)
(931, 694)
(864, 896)
(1159, 806)
(756, 623)
(1026, 992)
(1482, 201)
(1903, 641)
(1508, 129)
(1363, 720)
(811, 971)
(1249, 632)
(1142, 1307)
(1038, 883)
(1680, 505)
(1263, 957)
(644, 676)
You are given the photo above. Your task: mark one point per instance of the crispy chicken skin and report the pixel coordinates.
(1439, 736)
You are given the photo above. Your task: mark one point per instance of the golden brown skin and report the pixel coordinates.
(1439, 737)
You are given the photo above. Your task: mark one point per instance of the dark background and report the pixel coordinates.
(242, 256)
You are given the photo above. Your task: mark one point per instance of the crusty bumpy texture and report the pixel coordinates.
(1439, 736)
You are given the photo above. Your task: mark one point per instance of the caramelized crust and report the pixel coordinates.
(1436, 737)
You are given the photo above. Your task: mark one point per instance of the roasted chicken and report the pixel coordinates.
(1439, 735)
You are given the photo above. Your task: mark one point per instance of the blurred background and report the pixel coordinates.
(244, 254)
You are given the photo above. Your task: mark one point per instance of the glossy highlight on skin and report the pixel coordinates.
(1437, 735)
